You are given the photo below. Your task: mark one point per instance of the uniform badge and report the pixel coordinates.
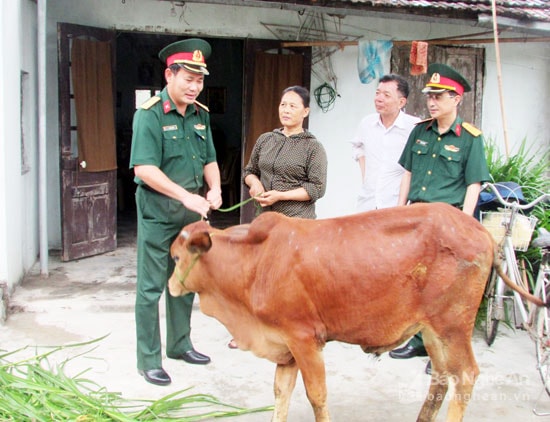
(458, 129)
(198, 126)
(197, 56)
(166, 106)
(436, 78)
(171, 127)
(421, 142)
(452, 148)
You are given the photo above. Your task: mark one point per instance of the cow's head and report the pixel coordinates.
(185, 251)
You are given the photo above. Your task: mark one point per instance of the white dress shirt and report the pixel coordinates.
(381, 148)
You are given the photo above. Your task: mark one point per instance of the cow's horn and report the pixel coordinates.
(184, 234)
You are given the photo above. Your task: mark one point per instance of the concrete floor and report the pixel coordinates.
(93, 297)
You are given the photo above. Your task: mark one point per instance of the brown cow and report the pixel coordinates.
(283, 287)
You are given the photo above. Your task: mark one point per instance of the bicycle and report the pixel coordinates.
(542, 319)
(513, 231)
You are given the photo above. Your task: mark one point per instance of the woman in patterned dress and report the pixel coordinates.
(287, 171)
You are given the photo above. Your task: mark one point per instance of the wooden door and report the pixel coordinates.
(466, 60)
(88, 199)
(263, 87)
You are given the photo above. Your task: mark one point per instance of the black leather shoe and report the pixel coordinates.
(155, 376)
(192, 356)
(407, 352)
(429, 368)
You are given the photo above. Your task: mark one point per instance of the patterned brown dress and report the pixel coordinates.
(285, 163)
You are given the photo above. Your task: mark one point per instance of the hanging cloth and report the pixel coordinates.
(419, 58)
(371, 58)
(93, 97)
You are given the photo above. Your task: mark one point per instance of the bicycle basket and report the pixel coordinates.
(495, 222)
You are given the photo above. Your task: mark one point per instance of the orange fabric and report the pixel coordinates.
(93, 97)
(419, 57)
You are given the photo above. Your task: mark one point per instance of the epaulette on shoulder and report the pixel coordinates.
(474, 131)
(429, 119)
(205, 108)
(150, 102)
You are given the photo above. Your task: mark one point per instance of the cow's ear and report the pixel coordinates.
(199, 242)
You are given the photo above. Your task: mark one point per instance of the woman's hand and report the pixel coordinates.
(269, 198)
(256, 189)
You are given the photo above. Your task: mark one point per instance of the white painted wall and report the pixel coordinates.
(526, 92)
(18, 188)
(525, 77)
(5, 14)
(28, 233)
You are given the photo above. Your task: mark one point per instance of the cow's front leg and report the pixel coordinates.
(312, 366)
(285, 380)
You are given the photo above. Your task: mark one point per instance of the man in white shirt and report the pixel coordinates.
(379, 142)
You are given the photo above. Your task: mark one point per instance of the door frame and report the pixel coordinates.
(88, 199)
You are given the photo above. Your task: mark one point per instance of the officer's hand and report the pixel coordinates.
(214, 197)
(197, 204)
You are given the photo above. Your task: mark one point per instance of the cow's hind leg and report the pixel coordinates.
(452, 362)
(285, 380)
(463, 372)
(439, 382)
(434, 399)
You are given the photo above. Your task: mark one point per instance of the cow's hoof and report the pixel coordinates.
(156, 376)
(194, 357)
(429, 368)
(407, 352)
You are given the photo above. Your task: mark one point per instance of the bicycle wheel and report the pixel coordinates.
(492, 302)
(542, 343)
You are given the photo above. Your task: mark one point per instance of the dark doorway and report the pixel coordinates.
(140, 74)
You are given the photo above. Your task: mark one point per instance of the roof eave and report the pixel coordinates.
(417, 14)
(509, 24)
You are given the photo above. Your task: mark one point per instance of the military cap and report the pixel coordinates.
(189, 54)
(445, 78)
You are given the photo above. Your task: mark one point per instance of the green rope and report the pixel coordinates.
(234, 207)
(181, 278)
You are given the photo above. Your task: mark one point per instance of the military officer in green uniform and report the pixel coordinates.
(444, 160)
(173, 156)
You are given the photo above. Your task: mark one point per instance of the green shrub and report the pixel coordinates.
(529, 169)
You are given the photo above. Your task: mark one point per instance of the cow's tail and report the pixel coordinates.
(524, 293)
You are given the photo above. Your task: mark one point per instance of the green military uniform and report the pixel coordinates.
(180, 146)
(443, 165)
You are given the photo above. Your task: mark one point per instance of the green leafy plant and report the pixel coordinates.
(529, 169)
(32, 390)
